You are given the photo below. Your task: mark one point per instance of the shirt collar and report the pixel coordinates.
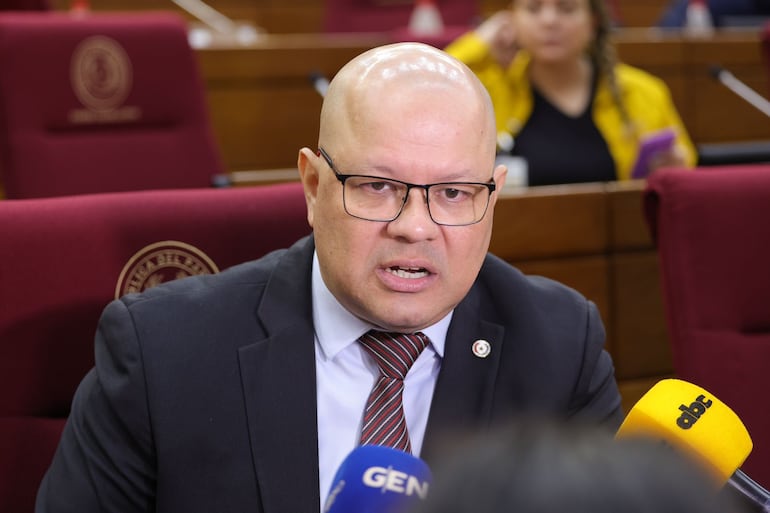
(336, 328)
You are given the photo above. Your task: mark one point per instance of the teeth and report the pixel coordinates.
(409, 272)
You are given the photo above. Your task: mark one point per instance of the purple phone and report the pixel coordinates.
(652, 145)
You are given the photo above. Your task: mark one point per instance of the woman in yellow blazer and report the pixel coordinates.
(574, 113)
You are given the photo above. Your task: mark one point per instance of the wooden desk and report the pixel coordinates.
(263, 107)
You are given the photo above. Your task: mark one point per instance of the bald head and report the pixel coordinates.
(395, 116)
(359, 95)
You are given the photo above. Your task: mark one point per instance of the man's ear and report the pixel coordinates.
(307, 163)
(499, 175)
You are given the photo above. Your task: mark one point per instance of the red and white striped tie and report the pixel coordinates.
(394, 353)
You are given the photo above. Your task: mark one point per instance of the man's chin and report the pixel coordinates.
(408, 320)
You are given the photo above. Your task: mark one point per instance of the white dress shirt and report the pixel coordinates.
(345, 375)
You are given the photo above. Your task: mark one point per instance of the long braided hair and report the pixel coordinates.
(604, 59)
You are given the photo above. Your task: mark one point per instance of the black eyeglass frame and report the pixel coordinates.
(490, 185)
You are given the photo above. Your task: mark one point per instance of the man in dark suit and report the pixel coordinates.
(243, 391)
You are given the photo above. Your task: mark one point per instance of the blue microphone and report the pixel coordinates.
(376, 479)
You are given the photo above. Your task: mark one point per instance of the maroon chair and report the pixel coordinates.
(24, 5)
(101, 102)
(393, 17)
(712, 228)
(63, 259)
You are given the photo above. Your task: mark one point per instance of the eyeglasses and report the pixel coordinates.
(374, 198)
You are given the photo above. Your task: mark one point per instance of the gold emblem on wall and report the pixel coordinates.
(162, 262)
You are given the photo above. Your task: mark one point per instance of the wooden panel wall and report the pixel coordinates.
(711, 112)
(275, 16)
(298, 16)
(629, 13)
(263, 107)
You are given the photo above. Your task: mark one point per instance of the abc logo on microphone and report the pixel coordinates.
(691, 414)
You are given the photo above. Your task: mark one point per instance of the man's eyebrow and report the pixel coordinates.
(387, 172)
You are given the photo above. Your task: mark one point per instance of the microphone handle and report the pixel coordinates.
(208, 15)
(750, 491)
(744, 91)
(320, 83)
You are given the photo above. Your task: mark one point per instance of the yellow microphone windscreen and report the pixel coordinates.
(693, 421)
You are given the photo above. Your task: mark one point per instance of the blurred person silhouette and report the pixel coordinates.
(541, 466)
(574, 113)
(675, 14)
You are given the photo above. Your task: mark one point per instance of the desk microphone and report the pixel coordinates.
(218, 22)
(376, 479)
(320, 83)
(741, 89)
(698, 424)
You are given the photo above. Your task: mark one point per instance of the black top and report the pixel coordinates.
(563, 149)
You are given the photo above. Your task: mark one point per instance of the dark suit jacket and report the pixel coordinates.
(203, 395)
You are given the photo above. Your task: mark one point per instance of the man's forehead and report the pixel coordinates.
(405, 76)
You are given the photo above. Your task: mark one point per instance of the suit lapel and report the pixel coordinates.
(278, 376)
(465, 386)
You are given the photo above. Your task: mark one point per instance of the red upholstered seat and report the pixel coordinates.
(24, 5)
(712, 228)
(60, 262)
(101, 102)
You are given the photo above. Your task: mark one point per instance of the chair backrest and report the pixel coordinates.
(387, 15)
(24, 5)
(712, 228)
(101, 102)
(63, 259)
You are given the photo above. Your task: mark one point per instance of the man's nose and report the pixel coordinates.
(414, 222)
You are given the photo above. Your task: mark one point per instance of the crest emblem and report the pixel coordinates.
(101, 73)
(161, 262)
(481, 348)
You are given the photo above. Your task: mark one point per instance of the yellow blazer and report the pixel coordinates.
(646, 97)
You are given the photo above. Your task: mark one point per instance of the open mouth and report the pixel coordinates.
(408, 272)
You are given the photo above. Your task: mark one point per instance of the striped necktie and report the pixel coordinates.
(394, 353)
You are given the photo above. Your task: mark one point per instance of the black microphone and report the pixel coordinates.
(320, 82)
(242, 33)
(727, 79)
(753, 494)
